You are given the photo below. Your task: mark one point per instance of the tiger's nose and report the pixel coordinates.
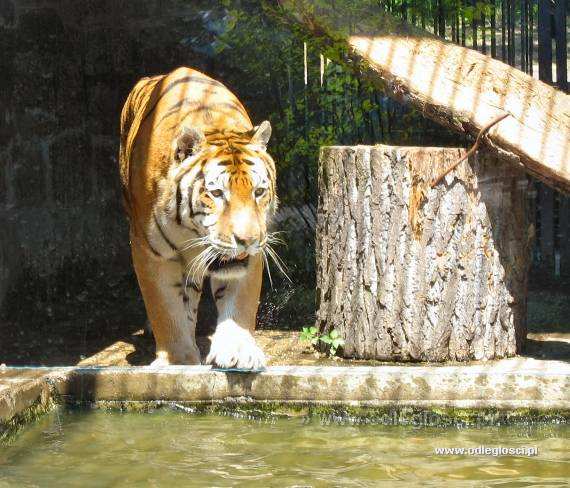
(245, 240)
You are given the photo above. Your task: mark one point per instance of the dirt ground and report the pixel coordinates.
(285, 347)
(105, 333)
(282, 347)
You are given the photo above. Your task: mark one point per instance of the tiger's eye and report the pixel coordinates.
(217, 193)
(259, 192)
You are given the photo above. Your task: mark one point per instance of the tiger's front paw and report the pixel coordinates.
(234, 347)
(187, 354)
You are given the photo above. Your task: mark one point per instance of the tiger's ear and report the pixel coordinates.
(187, 142)
(261, 134)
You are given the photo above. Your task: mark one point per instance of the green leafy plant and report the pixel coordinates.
(310, 334)
(332, 339)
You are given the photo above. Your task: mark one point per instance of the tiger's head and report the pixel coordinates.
(226, 192)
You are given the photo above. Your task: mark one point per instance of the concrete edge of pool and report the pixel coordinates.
(537, 389)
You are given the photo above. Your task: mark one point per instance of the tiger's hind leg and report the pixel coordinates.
(171, 307)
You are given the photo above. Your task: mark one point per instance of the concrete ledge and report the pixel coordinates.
(541, 386)
(20, 389)
(24, 395)
(478, 386)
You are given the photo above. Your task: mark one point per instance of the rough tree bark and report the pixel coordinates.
(407, 272)
(455, 86)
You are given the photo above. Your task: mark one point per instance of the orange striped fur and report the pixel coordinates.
(199, 189)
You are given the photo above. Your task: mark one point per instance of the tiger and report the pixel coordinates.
(199, 189)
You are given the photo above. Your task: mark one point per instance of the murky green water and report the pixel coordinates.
(165, 448)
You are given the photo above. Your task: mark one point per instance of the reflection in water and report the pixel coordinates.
(174, 449)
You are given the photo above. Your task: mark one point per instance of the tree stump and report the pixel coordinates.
(406, 272)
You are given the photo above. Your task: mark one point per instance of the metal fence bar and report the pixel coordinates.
(546, 228)
(564, 233)
(561, 46)
(544, 41)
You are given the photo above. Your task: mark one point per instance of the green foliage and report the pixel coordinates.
(332, 339)
(310, 334)
(261, 59)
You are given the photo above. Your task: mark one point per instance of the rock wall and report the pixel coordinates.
(66, 67)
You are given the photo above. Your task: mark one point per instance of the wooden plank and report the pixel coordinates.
(561, 46)
(457, 87)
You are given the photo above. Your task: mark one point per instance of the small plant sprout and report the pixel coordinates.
(332, 339)
(310, 334)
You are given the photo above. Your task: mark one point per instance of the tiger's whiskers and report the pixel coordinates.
(281, 266)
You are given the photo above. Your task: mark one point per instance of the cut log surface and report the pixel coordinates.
(406, 272)
(453, 85)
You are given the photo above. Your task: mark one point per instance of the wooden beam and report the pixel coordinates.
(455, 86)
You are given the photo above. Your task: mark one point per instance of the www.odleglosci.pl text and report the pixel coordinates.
(487, 451)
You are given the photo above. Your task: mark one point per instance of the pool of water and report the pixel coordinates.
(169, 448)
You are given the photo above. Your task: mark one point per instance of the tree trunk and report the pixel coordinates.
(406, 272)
(457, 87)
